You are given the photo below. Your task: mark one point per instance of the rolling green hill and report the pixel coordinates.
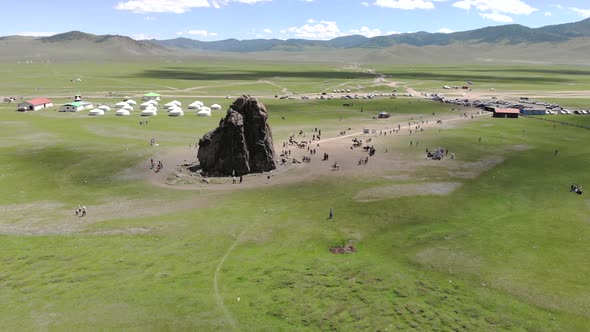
(558, 44)
(505, 34)
(76, 45)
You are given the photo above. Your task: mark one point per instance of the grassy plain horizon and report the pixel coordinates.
(504, 251)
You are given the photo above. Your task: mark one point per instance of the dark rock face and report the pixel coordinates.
(242, 142)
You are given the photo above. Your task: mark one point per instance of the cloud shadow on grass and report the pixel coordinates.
(180, 73)
(434, 76)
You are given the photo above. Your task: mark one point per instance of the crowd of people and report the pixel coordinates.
(158, 167)
(81, 211)
(576, 188)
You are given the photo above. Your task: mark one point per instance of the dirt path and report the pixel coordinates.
(283, 89)
(383, 81)
(219, 299)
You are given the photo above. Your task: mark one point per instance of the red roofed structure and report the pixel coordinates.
(506, 112)
(35, 104)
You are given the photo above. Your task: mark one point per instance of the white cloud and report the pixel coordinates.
(547, 14)
(201, 33)
(582, 12)
(406, 4)
(515, 7)
(367, 32)
(267, 31)
(366, 4)
(497, 17)
(36, 34)
(175, 6)
(321, 30)
(164, 6)
(445, 30)
(142, 36)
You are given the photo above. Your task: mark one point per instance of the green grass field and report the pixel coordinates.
(506, 251)
(504, 78)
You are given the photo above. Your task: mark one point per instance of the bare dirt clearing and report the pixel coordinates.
(471, 170)
(401, 190)
(338, 147)
(51, 218)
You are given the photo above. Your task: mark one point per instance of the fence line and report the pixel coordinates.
(559, 122)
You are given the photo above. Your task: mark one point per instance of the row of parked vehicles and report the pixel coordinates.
(567, 112)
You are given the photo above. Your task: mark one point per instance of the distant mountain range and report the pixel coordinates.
(78, 45)
(505, 34)
(526, 44)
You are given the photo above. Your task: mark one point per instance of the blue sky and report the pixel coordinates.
(283, 19)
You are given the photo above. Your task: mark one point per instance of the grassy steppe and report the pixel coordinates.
(505, 251)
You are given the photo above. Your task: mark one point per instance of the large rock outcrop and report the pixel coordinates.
(242, 143)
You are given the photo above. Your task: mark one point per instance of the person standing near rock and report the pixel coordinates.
(331, 216)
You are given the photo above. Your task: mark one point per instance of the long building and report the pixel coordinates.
(35, 104)
(506, 112)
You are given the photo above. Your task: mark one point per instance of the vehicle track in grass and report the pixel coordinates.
(218, 298)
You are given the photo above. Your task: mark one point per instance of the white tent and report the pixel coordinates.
(153, 102)
(215, 107)
(196, 105)
(204, 112)
(176, 112)
(172, 103)
(104, 108)
(128, 107)
(122, 112)
(149, 112)
(121, 104)
(131, 102)
(96, 112)
(145, 105)
(173, 108)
